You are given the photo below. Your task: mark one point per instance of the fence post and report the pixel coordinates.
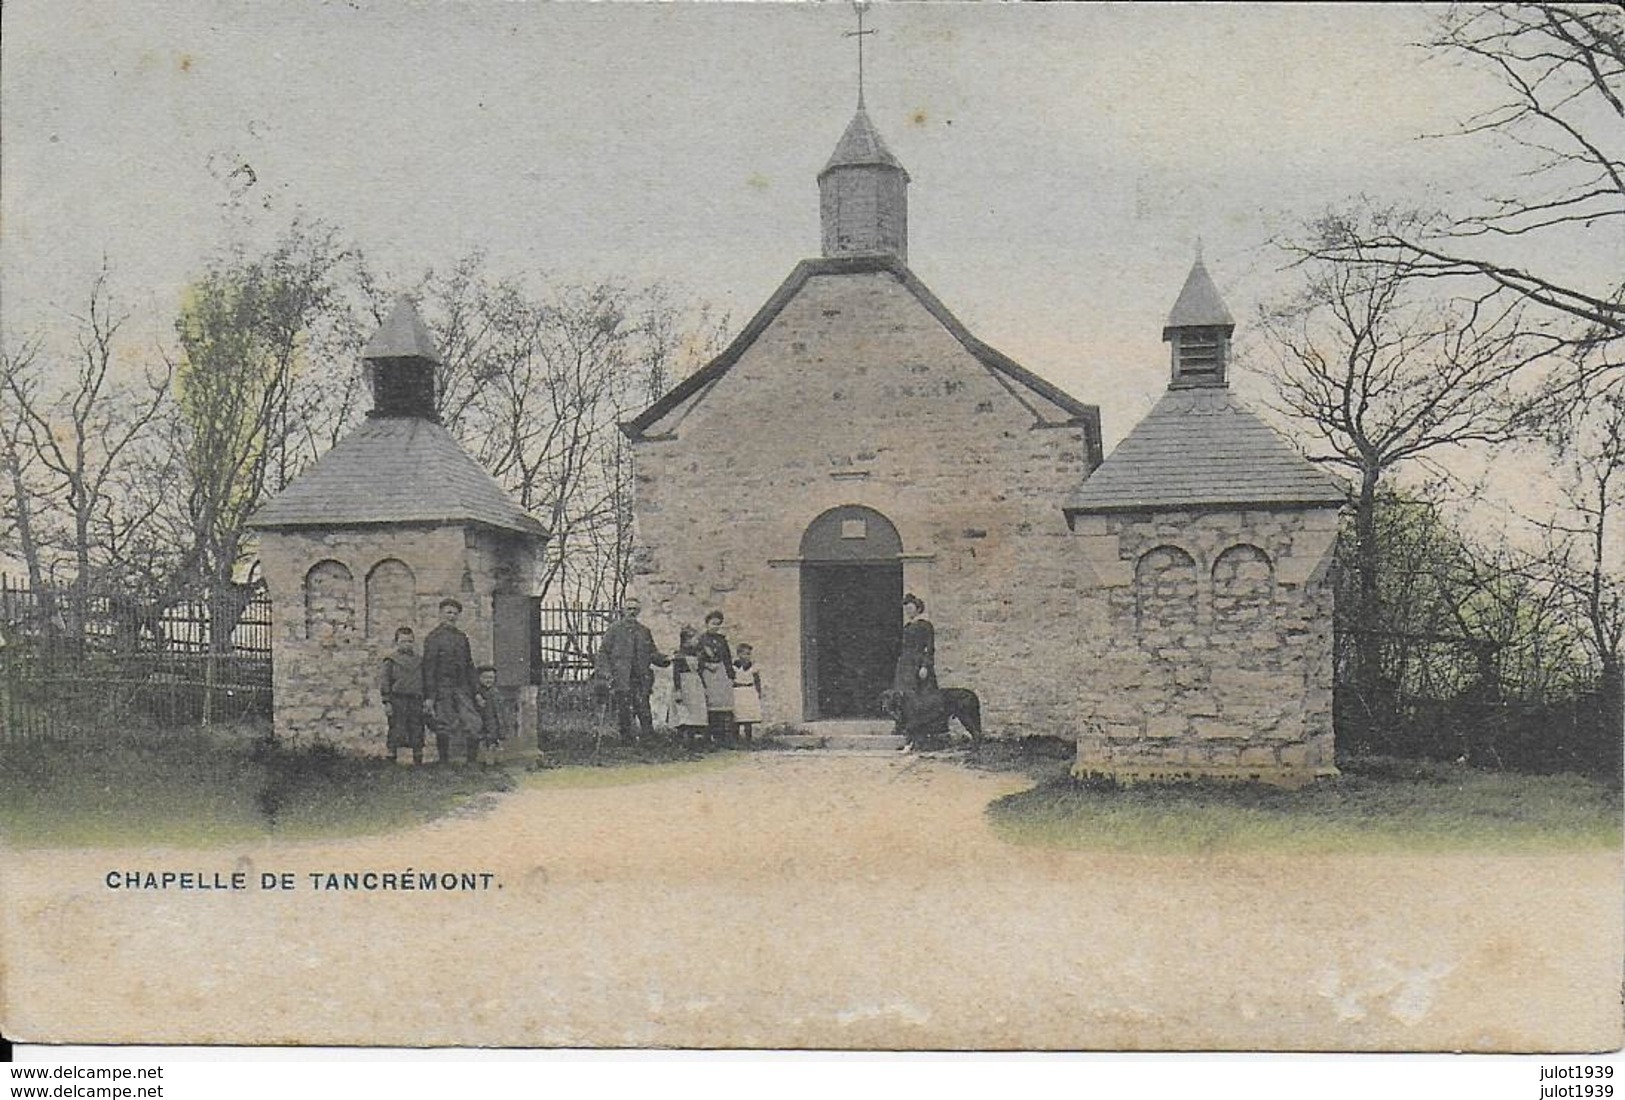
(5, 691)
(208, 685)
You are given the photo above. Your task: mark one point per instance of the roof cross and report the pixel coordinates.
(859, 6)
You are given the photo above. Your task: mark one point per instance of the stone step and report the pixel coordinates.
(849, 727)
(839, 743)
(846, 735)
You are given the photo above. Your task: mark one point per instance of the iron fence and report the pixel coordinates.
(567, 640)
(76, 661)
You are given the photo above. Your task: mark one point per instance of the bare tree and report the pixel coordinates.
(16, 374)
(1562, 68)
(78, 440)
(535, 381)
(1384, 371)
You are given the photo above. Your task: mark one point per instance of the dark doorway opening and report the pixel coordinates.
(851, 629)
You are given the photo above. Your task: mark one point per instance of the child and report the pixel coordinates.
(400, 686)
(688, 711)
(747, 693)
(495, 722)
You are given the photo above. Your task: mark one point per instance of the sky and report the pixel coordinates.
(1065, 158)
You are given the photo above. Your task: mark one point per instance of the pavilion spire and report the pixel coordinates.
(861, 7)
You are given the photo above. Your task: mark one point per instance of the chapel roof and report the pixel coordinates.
(1002, 366)
(396, 470)
(1204, 448)
(861, 145)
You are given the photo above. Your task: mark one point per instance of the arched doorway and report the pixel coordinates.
(851, 594)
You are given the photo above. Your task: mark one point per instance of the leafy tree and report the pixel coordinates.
(255, 393)
(1461, 631)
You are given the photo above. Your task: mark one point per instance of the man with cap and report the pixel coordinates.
(623, 662)
(448, 682)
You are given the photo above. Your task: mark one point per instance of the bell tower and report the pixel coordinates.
(400, 364)
(863, 189)
(1198, 331)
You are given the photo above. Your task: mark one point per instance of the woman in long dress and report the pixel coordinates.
(717, 670)
(921, 717)
(917, 659)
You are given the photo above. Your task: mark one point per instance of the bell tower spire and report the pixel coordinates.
(860, 6)
(1198, 331)
(863, 189)
(400, 362)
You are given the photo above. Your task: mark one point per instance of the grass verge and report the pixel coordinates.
(1381, 808)
(196, 789)
(621, 772)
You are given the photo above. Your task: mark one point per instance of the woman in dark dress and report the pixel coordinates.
(917, 661)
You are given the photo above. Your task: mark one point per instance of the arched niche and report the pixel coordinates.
(329, 601)
(1243, 586)
(851, 533)
(391, 598)
(1164, 589)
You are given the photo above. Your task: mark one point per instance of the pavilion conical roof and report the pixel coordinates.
(403, 335)
(861, 145)
(1199, 304)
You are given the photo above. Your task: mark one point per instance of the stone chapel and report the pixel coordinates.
(1168, 607)
(373, 536)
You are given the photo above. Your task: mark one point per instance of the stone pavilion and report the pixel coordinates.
(1209, 539)
(393, 519)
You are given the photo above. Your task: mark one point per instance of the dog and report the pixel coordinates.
(922, 717)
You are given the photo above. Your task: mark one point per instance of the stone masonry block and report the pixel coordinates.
(1123, 731)
(1294, 756)
(1220, 729)
(1258, 756)
(1166, 726)
(1249, 686)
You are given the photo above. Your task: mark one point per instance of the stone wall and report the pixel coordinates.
(337, 598)
(1216, 658)
(856, 394)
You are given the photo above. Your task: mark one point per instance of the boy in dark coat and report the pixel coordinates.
(496, 724)
(400, 686)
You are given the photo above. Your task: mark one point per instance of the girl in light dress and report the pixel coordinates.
(747, 693)
(688, 711)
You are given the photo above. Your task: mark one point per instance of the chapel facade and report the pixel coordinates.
(856, 442)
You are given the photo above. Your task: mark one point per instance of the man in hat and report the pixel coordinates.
(448, 682)
(624, 661)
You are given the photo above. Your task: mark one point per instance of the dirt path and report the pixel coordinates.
(793, 900)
